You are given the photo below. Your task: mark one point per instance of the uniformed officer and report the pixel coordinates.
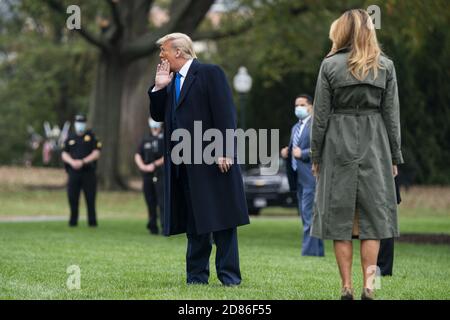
(149, 158)
(80, 154)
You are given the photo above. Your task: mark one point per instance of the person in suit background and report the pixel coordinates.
(386, 254)
(299, 165)
(201, 200)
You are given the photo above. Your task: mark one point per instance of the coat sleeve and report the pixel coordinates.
(390, 111)
(321, 113)
(221, 103)
(305, 154)
(157, 103)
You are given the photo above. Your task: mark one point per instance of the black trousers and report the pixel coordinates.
(386, 256)
(86, 181)
(154, 198)
(199, 247)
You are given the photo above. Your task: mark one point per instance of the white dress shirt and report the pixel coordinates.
(184, 71)
(304, 124)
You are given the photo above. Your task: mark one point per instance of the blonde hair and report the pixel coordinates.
(355, 30)
(180, 41)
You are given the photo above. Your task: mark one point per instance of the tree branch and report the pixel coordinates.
(295, 11)
(185, 17)
(118, 26)
(94, 40)
(221, 34)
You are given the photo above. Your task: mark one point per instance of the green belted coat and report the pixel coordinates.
(356, 139)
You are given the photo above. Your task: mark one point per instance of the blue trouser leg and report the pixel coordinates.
(227, 257)
(197, 258)
(198, 245)
(311, 246)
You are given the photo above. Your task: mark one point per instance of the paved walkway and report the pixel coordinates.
(32, 218)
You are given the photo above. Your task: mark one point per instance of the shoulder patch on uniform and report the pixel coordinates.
(87, 138)
(71, 142)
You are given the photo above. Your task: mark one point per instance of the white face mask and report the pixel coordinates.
(80, 127)
(154, 124)
(301, 112)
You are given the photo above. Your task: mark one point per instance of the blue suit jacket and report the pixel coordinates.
(303, 176)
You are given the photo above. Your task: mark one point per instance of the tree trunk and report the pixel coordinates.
(105, 114)
(123, 75)
(134, 111)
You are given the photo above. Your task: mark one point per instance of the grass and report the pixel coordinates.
(120, 260)
(31, 202)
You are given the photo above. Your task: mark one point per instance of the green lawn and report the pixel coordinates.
(120, 260)
(24, 202)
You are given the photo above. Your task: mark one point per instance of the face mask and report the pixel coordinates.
(80, 127)
(153, 124)
(301, 112)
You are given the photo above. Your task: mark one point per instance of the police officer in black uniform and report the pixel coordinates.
(149, 158)
(80, 154)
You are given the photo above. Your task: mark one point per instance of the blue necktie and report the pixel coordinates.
(295, 143)
(177, 86)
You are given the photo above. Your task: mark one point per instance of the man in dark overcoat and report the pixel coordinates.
(204, 200)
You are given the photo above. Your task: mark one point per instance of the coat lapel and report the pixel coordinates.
(190, 78)
(306, 129)
(170, 90)
(291, 140)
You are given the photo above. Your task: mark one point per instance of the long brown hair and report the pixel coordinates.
(355, 30)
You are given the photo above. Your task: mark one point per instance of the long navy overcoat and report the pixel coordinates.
(218, 199)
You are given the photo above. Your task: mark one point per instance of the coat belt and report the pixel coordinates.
(355, 111)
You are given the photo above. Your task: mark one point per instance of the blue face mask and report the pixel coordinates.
(301, 112)
(80, 127)
(154, 124)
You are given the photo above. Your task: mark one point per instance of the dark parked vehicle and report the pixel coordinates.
(267, 190)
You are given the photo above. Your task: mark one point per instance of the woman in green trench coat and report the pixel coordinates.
(355, 147)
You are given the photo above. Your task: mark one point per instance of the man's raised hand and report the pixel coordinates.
(163, 75)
